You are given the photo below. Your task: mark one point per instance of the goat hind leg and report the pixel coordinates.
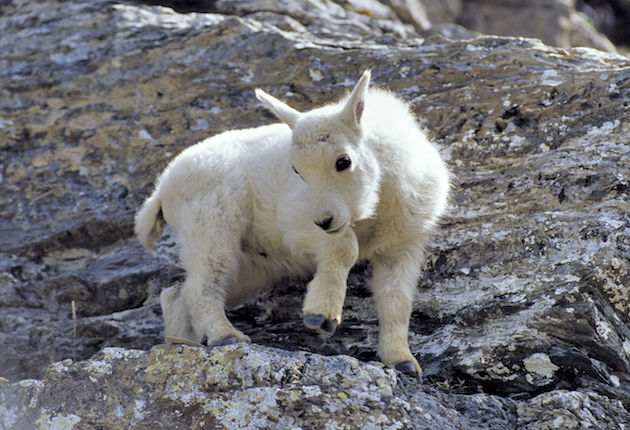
(211, 260)
(177, 320)
(205, 301)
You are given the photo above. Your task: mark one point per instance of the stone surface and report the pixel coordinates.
(555, 22)
(522, 317)
(253, 387)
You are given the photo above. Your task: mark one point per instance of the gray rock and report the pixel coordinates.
(253, 387)
(245, 387)
(522, 317)
(555, 22)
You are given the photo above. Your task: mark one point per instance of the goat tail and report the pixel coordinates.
(149, 222)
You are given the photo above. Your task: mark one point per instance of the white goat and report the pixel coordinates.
(343, 183)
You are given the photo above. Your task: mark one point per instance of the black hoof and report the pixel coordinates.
(319, 323)
(409, 368)
(230, 340)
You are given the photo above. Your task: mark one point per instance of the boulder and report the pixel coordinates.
(555, 22)
(254, 387)
(522, 316)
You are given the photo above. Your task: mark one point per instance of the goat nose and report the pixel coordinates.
(325, 223)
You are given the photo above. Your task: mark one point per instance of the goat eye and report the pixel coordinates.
(343, 163)
(297, 173)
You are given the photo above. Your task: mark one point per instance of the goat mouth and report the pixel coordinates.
(336, 230)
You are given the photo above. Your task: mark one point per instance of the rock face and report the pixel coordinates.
(555, 22)
(253, 387)
(522, 318)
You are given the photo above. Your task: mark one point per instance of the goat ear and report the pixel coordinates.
(353, 110)
(283, 111)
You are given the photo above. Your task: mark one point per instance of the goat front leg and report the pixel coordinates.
(394, 284)
(326, 293)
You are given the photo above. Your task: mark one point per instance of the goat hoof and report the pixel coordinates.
(320, 323)
(230, 340)
(409, 368)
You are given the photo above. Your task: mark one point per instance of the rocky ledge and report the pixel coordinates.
(522, 319)
(255, 387)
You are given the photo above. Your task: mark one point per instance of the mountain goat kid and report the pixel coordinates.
(343, 183)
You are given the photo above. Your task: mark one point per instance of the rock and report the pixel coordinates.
(425, 14)
(555, 22)
(524, 298)
(253, 387)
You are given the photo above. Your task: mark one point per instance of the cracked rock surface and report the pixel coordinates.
(522, 318)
